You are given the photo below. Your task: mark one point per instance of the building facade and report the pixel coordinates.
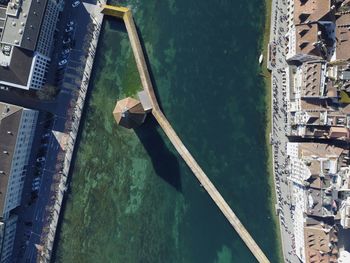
(17, 127)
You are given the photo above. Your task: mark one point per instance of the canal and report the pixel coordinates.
(132, 198)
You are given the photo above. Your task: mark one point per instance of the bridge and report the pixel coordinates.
(126, 15)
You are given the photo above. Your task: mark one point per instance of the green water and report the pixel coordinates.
(132, 199)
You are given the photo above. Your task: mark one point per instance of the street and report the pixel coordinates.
(54, 115)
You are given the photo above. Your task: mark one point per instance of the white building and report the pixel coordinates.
(26, 38)
(17, 126)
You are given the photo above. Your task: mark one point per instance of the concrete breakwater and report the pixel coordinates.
(126, 15)
(64, 158)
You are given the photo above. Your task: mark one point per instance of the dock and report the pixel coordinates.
(126, 15)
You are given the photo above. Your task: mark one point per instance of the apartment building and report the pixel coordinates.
(17, 126)
(311, 30)
(26, 37)
(318, 172)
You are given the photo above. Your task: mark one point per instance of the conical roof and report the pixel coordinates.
(129, 113)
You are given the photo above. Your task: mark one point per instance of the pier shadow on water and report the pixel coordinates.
(165, 162)
(149, 66)
(116, 24)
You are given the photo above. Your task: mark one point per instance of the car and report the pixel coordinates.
(70, 23)
(35, 188)
(66, 41)
(76, 3)
(62, 62)
(4, 88)
(65, 51)
(36, 179)
(40, 159)
(48, 134)
(36, 183)
(69, 29)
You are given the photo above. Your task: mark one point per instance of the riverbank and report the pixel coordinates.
(64, 159)
(268, 129)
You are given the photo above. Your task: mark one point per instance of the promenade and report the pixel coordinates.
(279, 84)
(205, 182)
(69, 135)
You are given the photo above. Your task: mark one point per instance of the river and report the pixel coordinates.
(132, 199)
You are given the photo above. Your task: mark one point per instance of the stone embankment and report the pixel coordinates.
(64, 159)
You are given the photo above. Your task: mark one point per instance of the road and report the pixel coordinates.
(33, 214)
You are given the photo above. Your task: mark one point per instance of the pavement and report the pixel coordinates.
(34, 212)
(284, 206)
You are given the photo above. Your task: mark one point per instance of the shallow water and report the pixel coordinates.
(132, 198)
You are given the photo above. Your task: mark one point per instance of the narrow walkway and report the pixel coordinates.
(126, 15)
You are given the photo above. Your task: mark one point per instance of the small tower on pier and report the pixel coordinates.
(129, 113)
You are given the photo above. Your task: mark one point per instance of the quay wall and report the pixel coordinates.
(48, 239)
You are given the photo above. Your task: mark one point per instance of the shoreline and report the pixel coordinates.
(48, 238)
(266, 75)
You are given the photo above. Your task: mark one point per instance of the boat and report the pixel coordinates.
(261, 58)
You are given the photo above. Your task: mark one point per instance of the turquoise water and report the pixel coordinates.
(132, 198)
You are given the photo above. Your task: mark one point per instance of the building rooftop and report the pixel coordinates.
(320, 244)
(342, 36)
(319, 150)
(129, 113)
(23, 22)
(307, 36)
(313, 79)
(10, 117)
(18, 70)
(320, 203)
(310, 10)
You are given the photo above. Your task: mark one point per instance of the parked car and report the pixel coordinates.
(62, 62)
(40, 159)
(48, 134)
(4, 88)
(36, 179)
(35, 188)
(76, 3)
(70, 23)
(69, 29)
(65, 51)
(66, 41)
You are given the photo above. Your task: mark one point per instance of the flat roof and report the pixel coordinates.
(23, 28)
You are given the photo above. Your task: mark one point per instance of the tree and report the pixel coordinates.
(48, 92)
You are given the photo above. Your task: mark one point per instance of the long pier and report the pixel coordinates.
(126, 15)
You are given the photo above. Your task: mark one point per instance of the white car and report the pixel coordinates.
(70, 23)
(35, 187)
(66, 41)
(76, 3)
(48, 134)
(69, 29)
(40, 159)
(65, 51)
(62, 62)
